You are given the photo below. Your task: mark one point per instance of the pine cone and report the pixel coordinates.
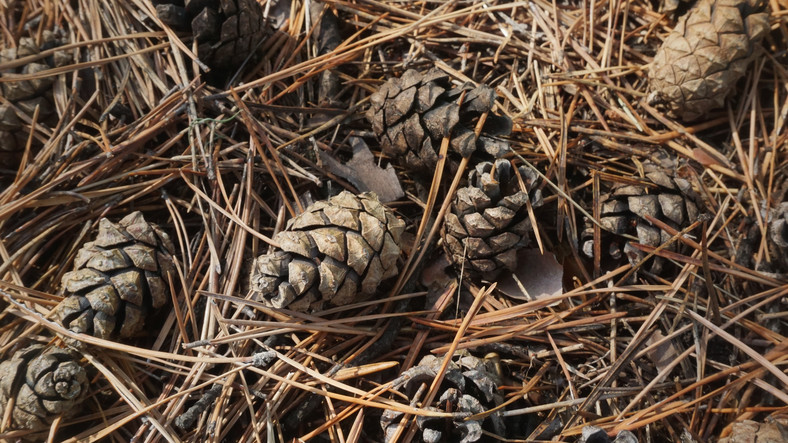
(705, 55)
(489, 221)
(26, 95)
(44, 382)
(749, 431)
(118, 279)
(668, 198)
(227, 31)
(337, 251)
(470, 386)
(411, 115)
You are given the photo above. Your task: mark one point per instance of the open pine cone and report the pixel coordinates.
(117, 279)
(337, 251)
(411, 115)
(43, 383)
(470, 387)
(701, 60)
(489, 220)
(668, 198)
(227, 31)
(25, 95)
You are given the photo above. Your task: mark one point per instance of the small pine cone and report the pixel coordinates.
(117, 279)
(705, 55)
(44, 383)
(337, 251)
(26, 95)
(411, 115)
(227, 31)
(489, 221)
(668, 198)
(470, 387)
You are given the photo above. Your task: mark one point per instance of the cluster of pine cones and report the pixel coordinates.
(118, 279)
(340, 250)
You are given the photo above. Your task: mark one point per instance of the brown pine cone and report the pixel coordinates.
(117, 279)
(489, 221)
(26, 95)
(669, 198)
(411, 115)
(44, 383)
(337, 251)
(227, 31)
(705, 55)
(470, 387)
(749, 431)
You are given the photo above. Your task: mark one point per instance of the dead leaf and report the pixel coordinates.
(538, 275)
(662, 355)
(364, 173)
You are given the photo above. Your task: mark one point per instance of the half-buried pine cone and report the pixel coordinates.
(662, 194)
(701, 60)
(227, 31)
(337, 251)
(489, 220)
(41, 383)
(24, 96)
(117, 279)
(469, 388)
(411, 115)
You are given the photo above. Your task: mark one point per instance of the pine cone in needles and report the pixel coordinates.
(117, 279)
(489, 222)
(337, 251)
(26, 95)
(411, 115)
(470, 387)
(669, 198)
(701, 60)
(227, 31)
(44, 383)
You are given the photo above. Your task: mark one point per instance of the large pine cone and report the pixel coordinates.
(489, 221)
(705, 55)
(118, 279)
(26, 95)
(411, 115)
(671, 199)
(337, 251)
(470, 386)
(227, 31)
(44, 382)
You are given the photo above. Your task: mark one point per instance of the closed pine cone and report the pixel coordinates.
(337, 251)
(701, 60)
(117, 279)
(227, 31)
(44, 383)
(470, 387)
(489, 220)
(412, 114)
